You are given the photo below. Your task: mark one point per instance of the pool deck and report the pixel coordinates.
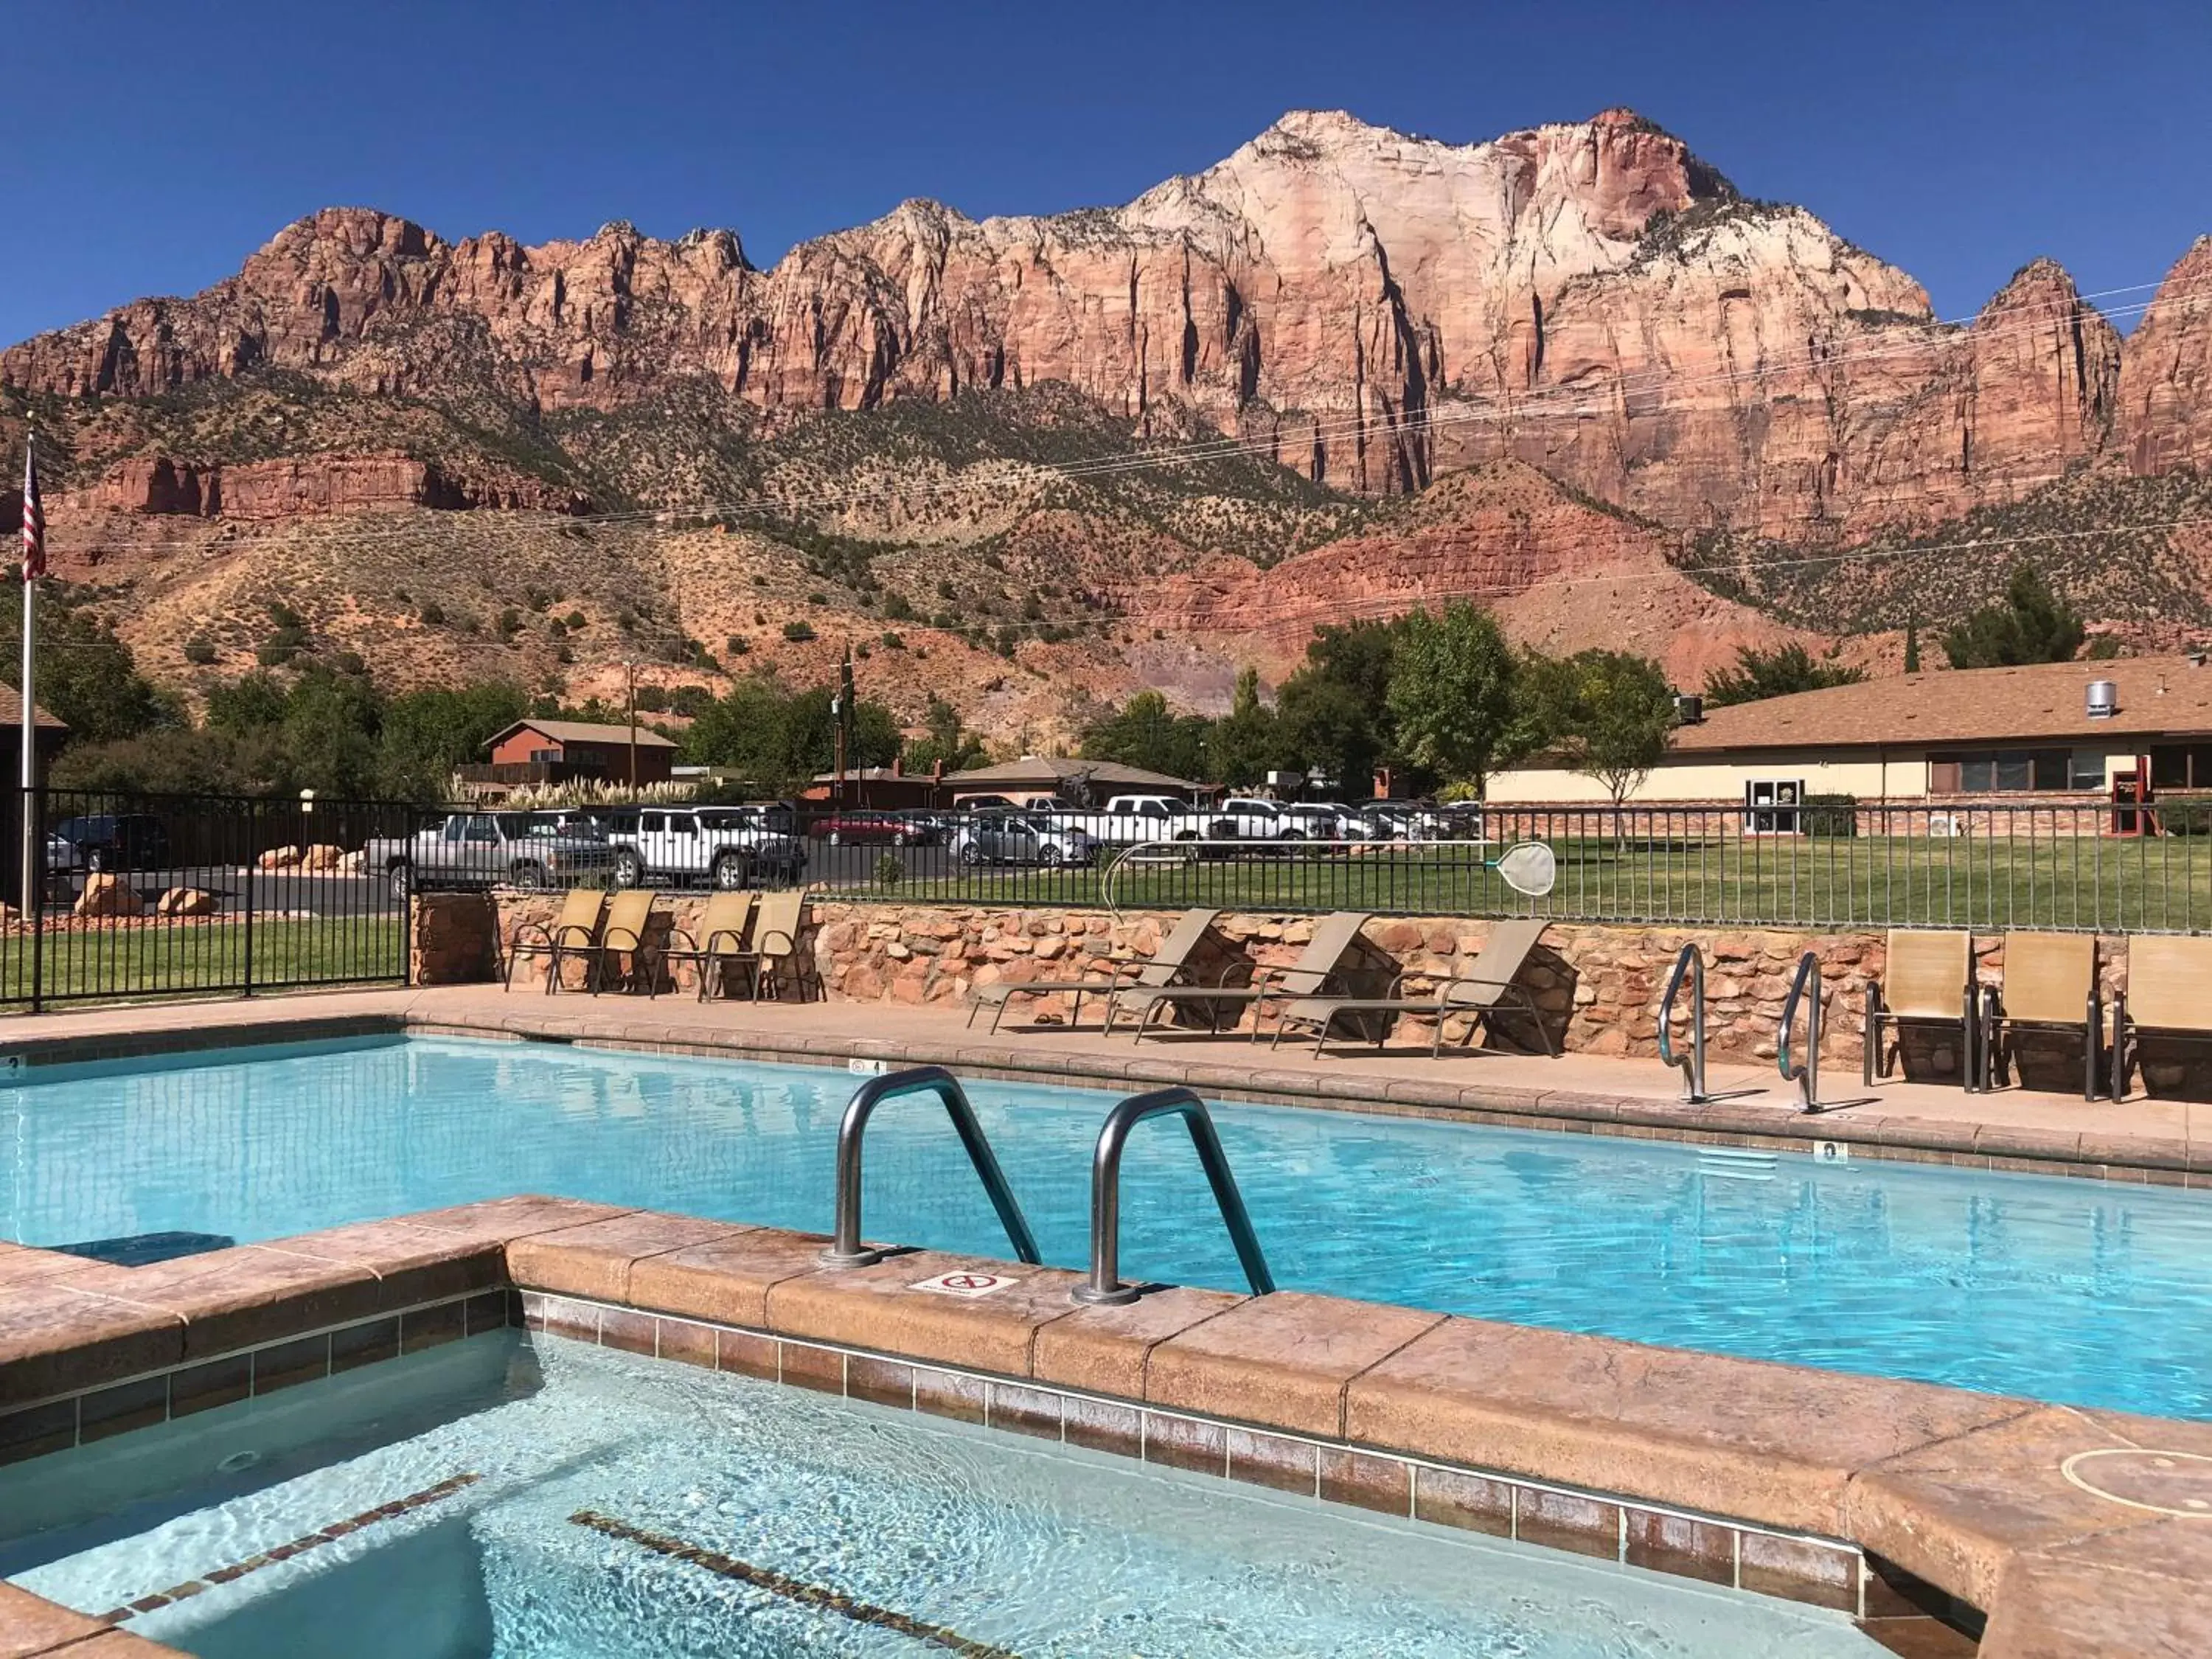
(2140, 1139)
(1917, 1509)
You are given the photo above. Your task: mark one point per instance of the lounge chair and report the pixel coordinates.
(1928, 979)
(1478, 993)
(777, 935)
(2049, 982)
(1170, 966)
(722, 945)
(2169, 995)
(576, 931)
(1313, 974)
(621, 955)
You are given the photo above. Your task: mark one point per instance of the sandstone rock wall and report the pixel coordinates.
(1588, 297)
(306, 486)
(1598, 987)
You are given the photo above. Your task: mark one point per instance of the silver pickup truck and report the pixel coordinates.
(490, 849)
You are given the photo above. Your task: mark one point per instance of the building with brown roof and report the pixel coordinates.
(535, 752)
(1985, 733)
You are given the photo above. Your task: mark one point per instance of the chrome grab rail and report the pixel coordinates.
(1691, 960)
(1105, 1287)
(847, 1250)
(1806, 1076)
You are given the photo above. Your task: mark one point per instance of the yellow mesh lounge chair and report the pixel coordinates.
(2169, 995)
(1170, 966)
(575, 930)
(621, 954)
(1928, 979)
(2050, 983)
(778, 939)
(1478, 994)
(723, 943)
(1315, 972)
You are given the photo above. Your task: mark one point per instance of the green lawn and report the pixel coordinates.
(156, 958)
(2157, 884)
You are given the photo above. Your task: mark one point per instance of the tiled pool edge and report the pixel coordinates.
(2127, 1158)
(1655, 1457)
(1238, 1075)
(1241, 1075)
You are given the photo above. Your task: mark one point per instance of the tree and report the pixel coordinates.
(1781, 672)
(1333, 715)
(1607, 713)
(1912, 644)
(1450, 692)
(2031, 624)
(945, 741)
(1246, 741)
(87, 678)
(1145, 731)
(426, 735)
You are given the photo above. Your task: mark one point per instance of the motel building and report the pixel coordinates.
(1967, 745)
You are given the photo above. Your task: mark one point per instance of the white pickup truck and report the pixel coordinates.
(1125, 820)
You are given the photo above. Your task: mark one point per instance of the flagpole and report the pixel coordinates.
(26, 739)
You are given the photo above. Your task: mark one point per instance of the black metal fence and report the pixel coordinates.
(157, 896)
(2064, 865)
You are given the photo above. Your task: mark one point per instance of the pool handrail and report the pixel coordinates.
(845, 1249)
(1104, 1288)
(1689, 961)
(1806, 1074)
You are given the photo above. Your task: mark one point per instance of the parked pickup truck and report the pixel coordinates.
(1125, 820)
(487, 849)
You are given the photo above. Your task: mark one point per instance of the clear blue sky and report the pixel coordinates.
(149, 148)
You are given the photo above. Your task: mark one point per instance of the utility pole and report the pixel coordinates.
(629, 689)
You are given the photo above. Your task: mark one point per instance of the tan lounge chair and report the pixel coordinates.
(621, 955)
(575, 931)
(1478, 994)
(1929, 980)
(2169, 995)
(2049, 982)
(778, 936)
(724, 943)
(1170, 966)
(1311, 975)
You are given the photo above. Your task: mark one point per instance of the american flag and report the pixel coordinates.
(34, 521)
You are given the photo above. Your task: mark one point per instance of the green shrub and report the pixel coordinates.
(891, 870)
(199, 649)
(432, 614)
(1834, 816)
(798, 632)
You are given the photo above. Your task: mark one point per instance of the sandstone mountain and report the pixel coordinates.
(1126, 446)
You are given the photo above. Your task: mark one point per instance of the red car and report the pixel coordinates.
(855, 829)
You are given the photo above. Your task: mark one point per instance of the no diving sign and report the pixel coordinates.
(963, 1284)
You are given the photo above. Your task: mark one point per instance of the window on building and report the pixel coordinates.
(2181, 766)
(1998, 771)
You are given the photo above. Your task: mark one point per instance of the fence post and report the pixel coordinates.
(34, 900)
(251, 862)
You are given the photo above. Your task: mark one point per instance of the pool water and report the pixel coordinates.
(2081, 1291)
(553, 1484)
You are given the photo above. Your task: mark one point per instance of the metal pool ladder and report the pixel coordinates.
(1690, 961)
(1805, 1074)
(847, 1250)
(1105, 1287)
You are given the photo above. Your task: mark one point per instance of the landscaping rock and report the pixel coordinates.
(109, 896)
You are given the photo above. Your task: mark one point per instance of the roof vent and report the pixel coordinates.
(2103, 700)
(1689, 709)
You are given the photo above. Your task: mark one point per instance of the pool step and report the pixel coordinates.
(1735, 1164)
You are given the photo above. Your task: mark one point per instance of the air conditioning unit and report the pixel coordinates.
(1944, 826)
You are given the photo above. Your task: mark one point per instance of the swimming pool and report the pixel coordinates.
(2081, 1291)
(566, 1502)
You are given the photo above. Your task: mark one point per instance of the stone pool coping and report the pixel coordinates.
(1772, 1477)
(1231, 1070)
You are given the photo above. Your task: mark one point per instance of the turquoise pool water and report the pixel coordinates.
(2081, 1291)
(553, 1484)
